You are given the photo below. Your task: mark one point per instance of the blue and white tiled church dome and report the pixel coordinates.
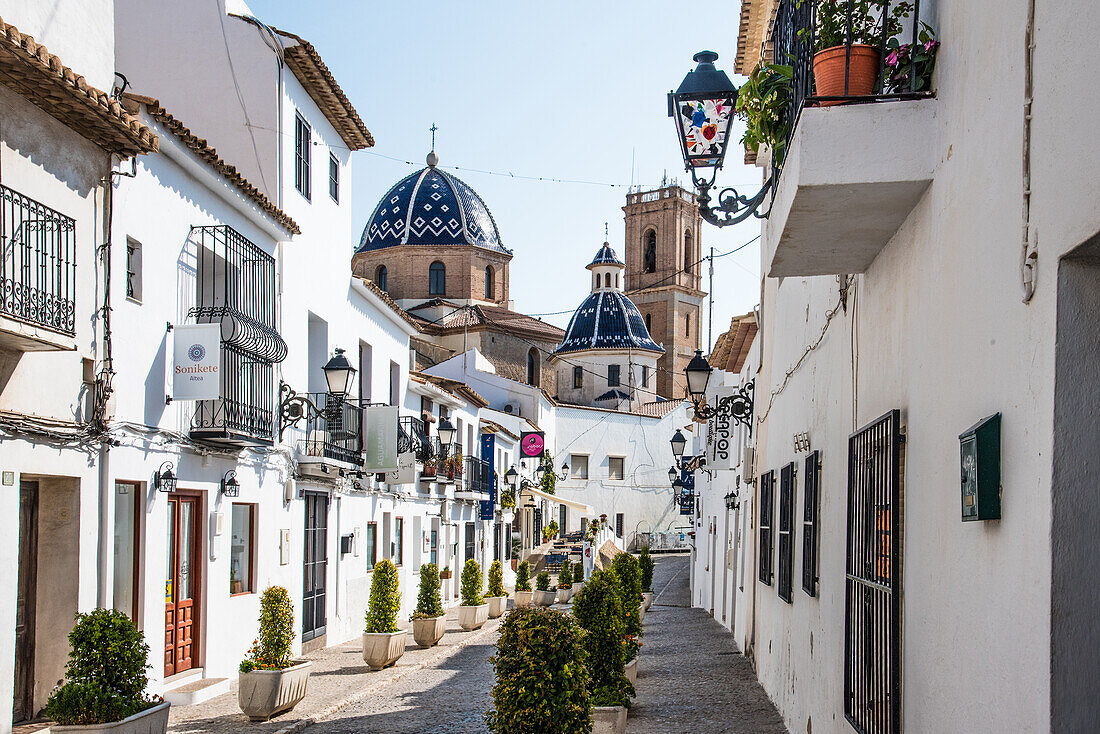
(607, 319)
(431, 207)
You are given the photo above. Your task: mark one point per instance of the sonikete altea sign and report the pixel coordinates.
(196, 362)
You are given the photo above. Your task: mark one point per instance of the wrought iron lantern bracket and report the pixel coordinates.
(738, 406)
(294, 407)
(733, 208)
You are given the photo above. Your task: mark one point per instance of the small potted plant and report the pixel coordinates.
(473, 611)
(645, 563)
(544, 595)
(542, 681)
(598, 609)
(429, 469)
(429, 619)
(105, 680)
(626, 570)
(270, 682)
(565, 581)
(497, 596)
(458, 465)
(577, 571)
(508, 499)
(763, 104)
(840, 57)
(383, 641)
(909, 67)
(524, 595)
(445, 573)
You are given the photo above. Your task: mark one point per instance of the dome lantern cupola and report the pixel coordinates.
(607, 270)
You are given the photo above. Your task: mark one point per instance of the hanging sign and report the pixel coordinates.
(380, 439)
(532, 443)
(721, 439)
(488, 451)
(406, 469)
(196, 361)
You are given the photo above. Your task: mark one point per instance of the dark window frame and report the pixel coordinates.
(334, 177)
(133, 270)
(764, 546)
(649, 251)
(787, 494)
(399, 541)
(382, 278)
(578, 378)
(437, 279)
(614, 375)
(490, 282)
(645, 375)
(302, 156)
(811, 507)
(620, 524)
(622, 469)
(372, 548)
(253, 509)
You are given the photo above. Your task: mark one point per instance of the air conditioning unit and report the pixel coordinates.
(513, 408)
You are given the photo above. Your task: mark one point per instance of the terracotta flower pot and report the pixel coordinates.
(150, 721)
(383, 649)
(429, 630)
(497, 605)
(262, 694)
(829, 72)
(608, 719)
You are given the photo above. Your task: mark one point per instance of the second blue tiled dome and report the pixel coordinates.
(607, 320)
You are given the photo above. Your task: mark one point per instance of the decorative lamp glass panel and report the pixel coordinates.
(703, 108)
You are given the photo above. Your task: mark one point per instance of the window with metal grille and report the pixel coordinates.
(133, 269)
(399, 541)
(872, 632)
(620, 522)
(302, 144)
(578, 377)
(612, 375)
(470, 543)
(563, 520)
(437, 279)
(334, 177)
(767, 490)
(786, 531)
(811, 504)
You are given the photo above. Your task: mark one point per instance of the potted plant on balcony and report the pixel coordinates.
(598, 609)
(524, 595)
(497, 596)
(383, 641)
(105, 679)
(428, 619)
(565, 581)
(544, 595)
(542, 681)
(270, 682)
(429, 469)
(445, 573)
(508, 499)
(763, 104)
(473, 612)
(909, 67)
(458, 465)
(856, 58)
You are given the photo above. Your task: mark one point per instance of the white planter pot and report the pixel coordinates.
(609, 720)
(632, 670)
(383, 649)
(149, 721)
(427, 632)
(641, 613)
(497, 605)
(577, 586)
(523, 599)
(647, 599)
(471, 618)
(565, 594)
(545, 598)
(262, 694)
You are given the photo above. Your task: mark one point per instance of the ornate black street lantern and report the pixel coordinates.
(338, 373)
(679, 443)
(293, 407)
(163, 478)
(703, 108)
(738, 406)
(672, 474)
(230, 486)
(446, 432)
(510, 477)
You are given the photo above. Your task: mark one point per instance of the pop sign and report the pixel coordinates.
(532, 444)
(196, 362)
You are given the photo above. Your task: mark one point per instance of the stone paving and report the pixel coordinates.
(691, 678)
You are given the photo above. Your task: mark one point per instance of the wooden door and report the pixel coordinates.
(181, 589)
(23, 704)
(315, 566)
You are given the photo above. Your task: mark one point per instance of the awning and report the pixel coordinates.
(586, 509)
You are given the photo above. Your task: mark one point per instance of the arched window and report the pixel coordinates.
(607, 280)
(687, 324)
(437, 279)
(648, 324)
(596, 280)
(489, 282)
(533, 367)
(689, 255)
(616, 280)
(380, 277)
(649, 250)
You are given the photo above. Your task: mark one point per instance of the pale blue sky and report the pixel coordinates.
(566, 90)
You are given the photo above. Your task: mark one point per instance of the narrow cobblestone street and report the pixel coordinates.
(691, 679)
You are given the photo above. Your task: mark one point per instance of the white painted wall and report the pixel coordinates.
(64, 29)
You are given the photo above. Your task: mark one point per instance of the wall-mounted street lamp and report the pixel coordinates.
(738, 406)
(679, 443)
(293, 407)
(446, 432)
(163, 478)
(703, 108)
(510, 477)
(230, 486)
(546, 468)
(672, 474)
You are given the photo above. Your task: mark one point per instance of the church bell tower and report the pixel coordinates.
(664, 275)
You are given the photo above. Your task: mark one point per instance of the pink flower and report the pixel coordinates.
(892, 59)
(930, 44)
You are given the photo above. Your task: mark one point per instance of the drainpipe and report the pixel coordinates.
(1030, 258)
(104, 557)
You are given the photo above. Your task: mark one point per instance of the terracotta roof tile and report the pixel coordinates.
(33, 72)
(731, 349)
(210, 156)
(754, 33)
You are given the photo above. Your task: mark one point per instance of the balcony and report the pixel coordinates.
(857, 162)
(478, 475)
(37, 275)
(235, 288)
(334, 434)
(412, 436)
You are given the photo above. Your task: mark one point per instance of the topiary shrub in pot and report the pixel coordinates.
(524, 595)
(473, 612)
(645, 563)
(496, 596)
(544, 595)
(383, 642)
(105, 679)
(626, 570)
(428, 619)
(565, 581)
(270, 682)
(598, 609)
(542, 681)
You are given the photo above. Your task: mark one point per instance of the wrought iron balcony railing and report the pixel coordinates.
(412, 435)
(37, 263)
(478, 474)
(335, 432)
